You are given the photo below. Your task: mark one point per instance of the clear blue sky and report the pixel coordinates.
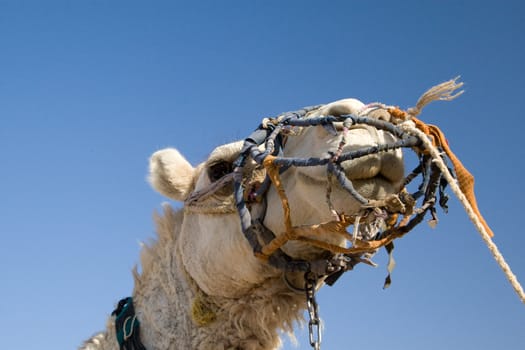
(89, 89)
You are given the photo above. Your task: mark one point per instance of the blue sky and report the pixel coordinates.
(89, 89)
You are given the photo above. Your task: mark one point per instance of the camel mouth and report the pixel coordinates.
(373, 187)
(384, 170)
(386, 167)
(375, 176)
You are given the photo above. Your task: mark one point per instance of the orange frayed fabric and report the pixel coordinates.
(464, 177)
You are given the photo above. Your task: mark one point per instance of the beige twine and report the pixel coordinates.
(468, 208)
(441, 92)
(444, 92)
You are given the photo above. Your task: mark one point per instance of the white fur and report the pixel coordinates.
(171, 174)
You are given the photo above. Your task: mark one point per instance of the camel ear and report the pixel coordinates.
(171, 174)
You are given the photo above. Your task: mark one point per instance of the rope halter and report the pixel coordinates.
(396, 215)
(399, 212)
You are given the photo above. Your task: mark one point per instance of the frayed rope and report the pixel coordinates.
(476, 220)
(445, 92)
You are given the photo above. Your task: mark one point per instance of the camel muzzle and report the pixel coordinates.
(383, 220)
(267, 246)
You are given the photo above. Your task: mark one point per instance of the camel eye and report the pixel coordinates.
(218, 170)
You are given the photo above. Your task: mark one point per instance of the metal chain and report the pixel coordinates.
(314, 323)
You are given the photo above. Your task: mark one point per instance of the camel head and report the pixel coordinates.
(213, 239)
(304, 198)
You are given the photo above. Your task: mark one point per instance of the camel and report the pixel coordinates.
(204, 285)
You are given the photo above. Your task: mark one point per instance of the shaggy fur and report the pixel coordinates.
(163, 295)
